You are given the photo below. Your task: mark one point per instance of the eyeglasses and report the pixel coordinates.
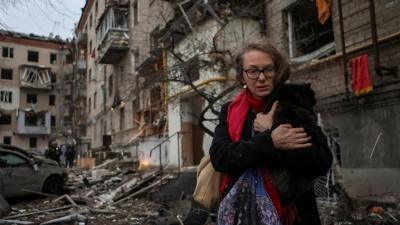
(254, 73)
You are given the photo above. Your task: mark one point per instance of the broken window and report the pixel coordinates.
(308, 38)
(31, 98)
(6, 74)
(7, 140)
(32, 142)
(33, 56)
(8, 52)
(5, 119)
(53, 58)
(120, 19)
(36, 77)
(35, 120)
(155, 97)
(53, 121)
(53, 77)
(6, 96)
(52, 100)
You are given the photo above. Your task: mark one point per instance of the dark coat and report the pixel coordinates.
(252, 150)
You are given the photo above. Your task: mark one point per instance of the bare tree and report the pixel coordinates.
(208, 53)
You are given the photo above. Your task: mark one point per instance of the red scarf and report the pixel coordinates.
(237, 114)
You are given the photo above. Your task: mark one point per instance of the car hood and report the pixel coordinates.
(44, 160)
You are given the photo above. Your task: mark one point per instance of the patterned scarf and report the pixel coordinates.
(237, 114)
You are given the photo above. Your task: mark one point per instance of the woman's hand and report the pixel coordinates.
(286, 137)
(264, 121)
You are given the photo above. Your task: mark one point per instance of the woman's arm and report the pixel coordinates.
(311, 161)
(233, 157)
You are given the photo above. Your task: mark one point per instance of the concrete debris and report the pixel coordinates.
(117, 193)
(4, 206)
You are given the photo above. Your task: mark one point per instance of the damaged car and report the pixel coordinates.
(20, 170)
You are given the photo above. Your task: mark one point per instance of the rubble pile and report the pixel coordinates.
(102, 195)
(360, 212)
(117, 193)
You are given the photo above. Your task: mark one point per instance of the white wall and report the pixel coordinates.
(15, 98)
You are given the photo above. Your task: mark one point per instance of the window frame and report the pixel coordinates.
(9, 53)
(31, 95)
(29, 56)
(4, 77)
(53, 61)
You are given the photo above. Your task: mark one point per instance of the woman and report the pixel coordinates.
(245, 146)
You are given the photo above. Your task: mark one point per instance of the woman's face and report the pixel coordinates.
(254, 62)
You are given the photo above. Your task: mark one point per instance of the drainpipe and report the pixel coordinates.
(344, 55)
(380, 70)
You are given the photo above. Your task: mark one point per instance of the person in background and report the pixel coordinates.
(70, 156)
(53, 153)
(264, 165)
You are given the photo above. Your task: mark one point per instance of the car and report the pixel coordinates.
(21, 170)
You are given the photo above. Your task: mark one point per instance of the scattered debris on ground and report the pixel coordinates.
(117, 193)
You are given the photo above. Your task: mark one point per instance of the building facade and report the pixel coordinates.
(34, 103)
(364, 128)
(158, 70)
(113, 38)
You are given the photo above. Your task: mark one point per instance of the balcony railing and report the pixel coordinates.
(35, 77)
(113, 35)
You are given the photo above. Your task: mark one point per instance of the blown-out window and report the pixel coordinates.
(308, 38)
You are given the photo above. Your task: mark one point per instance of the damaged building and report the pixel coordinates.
(156, 73)
(349, 52)
(34, 107)
(124, 110)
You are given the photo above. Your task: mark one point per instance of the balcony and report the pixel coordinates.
(82, 37)
(30, 122)
(113, 35)
(37, 77)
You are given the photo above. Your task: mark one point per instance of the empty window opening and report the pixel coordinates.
(53, 121)
(308, 38)
(52, 100)
(33, 56)
(32, 142)
(6, 96)
(31, 98)
(6, 74)
(35, 120)
(5, 119)
(53, 58)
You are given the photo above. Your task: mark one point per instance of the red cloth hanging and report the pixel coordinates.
(361, 76)
(93, 54)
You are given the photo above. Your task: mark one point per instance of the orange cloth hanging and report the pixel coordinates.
(324, 10)
(361, 76)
